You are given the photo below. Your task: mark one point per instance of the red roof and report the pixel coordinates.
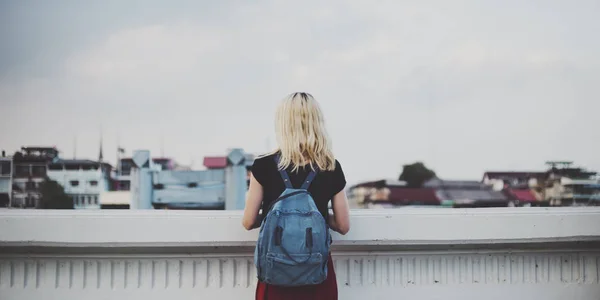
(215, 162)
(522, 195)
(404, 196)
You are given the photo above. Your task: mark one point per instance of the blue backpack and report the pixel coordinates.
(294, 239)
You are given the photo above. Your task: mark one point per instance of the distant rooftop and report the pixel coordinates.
(81, 162)
(523, 195)
(36, 154)
(380, 183)
(405, 196)
(513, 175)
(220, 162)
(574, 173)
(215, 162)
(453, 184)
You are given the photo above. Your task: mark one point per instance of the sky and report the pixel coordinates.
(463, 86)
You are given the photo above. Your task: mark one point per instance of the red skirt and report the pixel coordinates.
(326, 290)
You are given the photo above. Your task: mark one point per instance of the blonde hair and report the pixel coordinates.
(301, 134)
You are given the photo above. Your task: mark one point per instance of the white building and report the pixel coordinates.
(83, 180)
(115, 200)
(573, 191)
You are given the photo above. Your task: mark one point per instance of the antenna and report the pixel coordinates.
(119, 152)
(100, 155)
(162, 146)
(75, 147)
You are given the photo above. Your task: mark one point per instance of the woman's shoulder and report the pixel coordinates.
(265, 157)
(264, 160)
(338, 167)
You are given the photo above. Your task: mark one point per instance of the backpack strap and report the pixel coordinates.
(309, 180)
(284, 174)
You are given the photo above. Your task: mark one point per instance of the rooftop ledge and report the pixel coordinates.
(221, 231)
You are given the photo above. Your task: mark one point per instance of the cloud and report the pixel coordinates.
(464, 86)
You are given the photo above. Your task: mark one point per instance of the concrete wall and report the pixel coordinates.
(533, 253)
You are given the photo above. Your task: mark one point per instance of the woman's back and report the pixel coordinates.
(325, 185)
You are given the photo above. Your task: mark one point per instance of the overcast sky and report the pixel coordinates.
(464, 86)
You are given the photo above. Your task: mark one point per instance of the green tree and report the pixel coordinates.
(53, 196)
(416, 174)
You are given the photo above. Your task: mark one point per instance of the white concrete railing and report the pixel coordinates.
(520, 253)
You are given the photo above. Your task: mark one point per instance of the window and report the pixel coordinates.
(4, 167)
(30, 185)
(94, 183)
(126, 167)
(22, 171)
(124, 186)
(71, 167)
(56, 167)
(74, 182)
(95, 199)
(38, 171)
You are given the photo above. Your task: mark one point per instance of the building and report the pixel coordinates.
(82, 180)
(571, 186)
(5, 179)
(565, 191)
(501, 180)
(364, 194)
(216, 188)
(115, 200)
(434, 193)
(522, 197)
(389, 194)
(30, 166)
(220, 163)
(467, 193)
(521, 188)
(121, 179)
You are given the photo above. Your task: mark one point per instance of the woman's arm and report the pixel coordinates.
(340, 220)
(253, 201)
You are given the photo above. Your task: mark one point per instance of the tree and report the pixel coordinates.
(53, 196)
(416, 174)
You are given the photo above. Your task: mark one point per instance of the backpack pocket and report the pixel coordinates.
(296, 269)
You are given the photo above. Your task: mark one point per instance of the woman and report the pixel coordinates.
(303, 145)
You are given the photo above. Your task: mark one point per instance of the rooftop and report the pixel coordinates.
(511, 175)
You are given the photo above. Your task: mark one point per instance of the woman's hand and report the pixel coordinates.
(339, 221)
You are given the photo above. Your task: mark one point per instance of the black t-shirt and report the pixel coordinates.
(325, 185)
